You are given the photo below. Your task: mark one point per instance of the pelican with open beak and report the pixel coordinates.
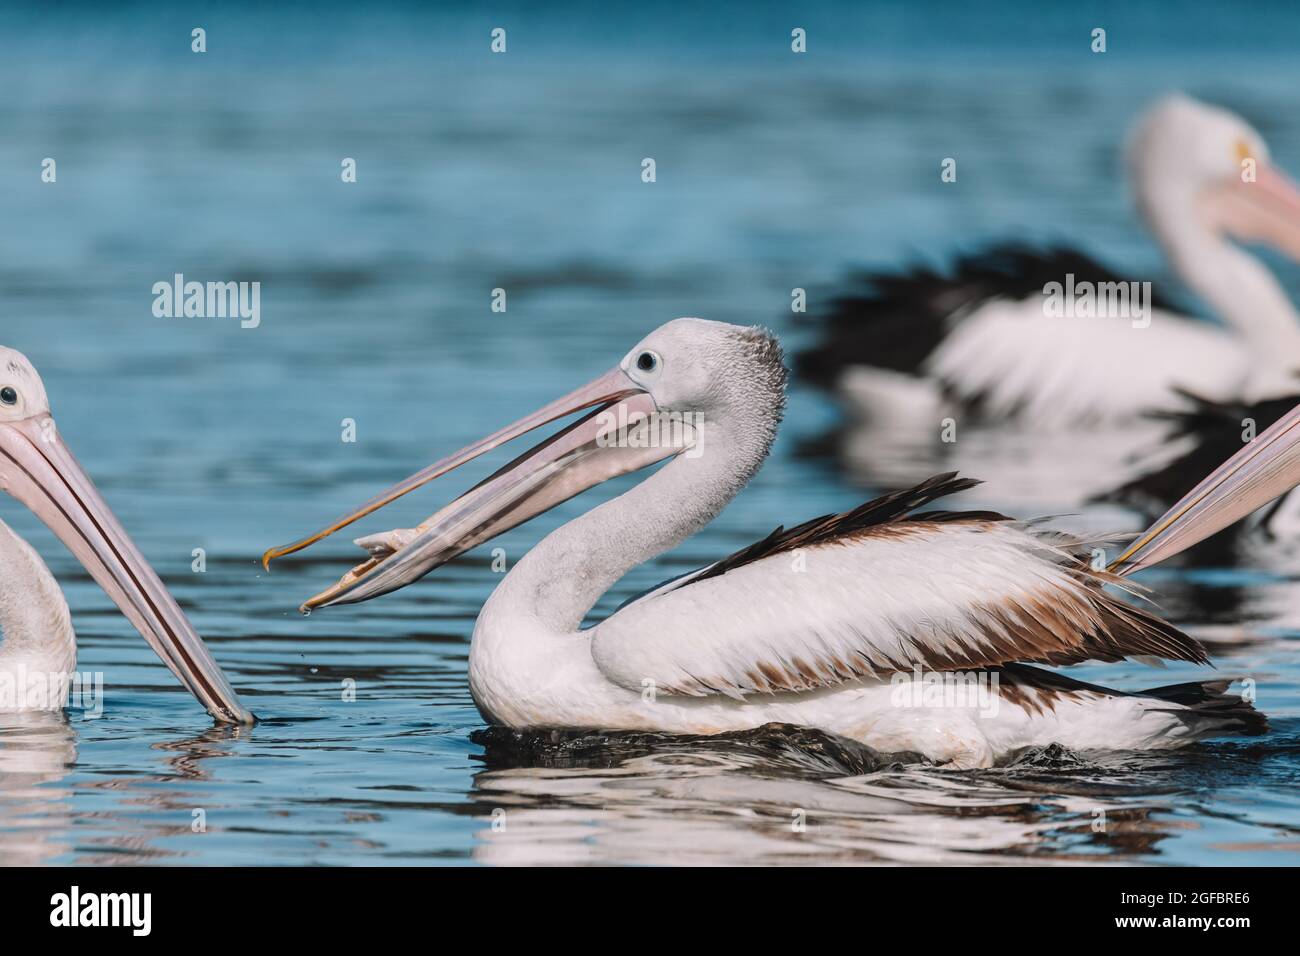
(38, 653)
(842, 623)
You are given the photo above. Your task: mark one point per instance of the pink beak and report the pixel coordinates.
(1266, 468)
(37, 468)
(1266, 210)
(585, 453)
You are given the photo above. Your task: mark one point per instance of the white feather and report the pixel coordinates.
(39, 649)
(1057, 372)
(901, 597)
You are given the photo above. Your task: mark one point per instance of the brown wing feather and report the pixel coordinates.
(1058, 632)
(1063, 616)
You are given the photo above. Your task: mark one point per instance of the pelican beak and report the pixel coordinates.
(37, 468)
(1266, 468)
(1265, 210)
(609, 441)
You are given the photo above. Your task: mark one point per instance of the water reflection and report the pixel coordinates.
(39, 803)
(1038, 470)
(155, 807)
(36, 752)
(777, 796)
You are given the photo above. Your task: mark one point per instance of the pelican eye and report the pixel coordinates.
(8, 396)
(647, 361)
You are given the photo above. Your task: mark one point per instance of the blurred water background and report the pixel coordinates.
(522, 171)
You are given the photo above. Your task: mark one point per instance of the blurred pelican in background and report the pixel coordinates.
(986, 338)
(39, 650)
(836, 624)
(976, 371)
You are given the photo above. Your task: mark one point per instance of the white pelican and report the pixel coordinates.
(984, 338)
(827, 625)
(39, 648)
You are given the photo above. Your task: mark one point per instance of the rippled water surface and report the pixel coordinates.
(522, 172)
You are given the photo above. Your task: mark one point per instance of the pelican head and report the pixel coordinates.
(695, 365)
(687, 379)
(37, 468)
(1200, 170)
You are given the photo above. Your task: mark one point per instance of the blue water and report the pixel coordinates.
(522, 172)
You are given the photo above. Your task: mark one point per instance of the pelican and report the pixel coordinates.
(835, 624)
(985, 338)
(39, 649)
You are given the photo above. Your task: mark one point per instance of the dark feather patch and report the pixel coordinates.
(895, 321)
(1205, 705)
(887, 509)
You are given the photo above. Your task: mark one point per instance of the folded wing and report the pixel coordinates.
(875, 591)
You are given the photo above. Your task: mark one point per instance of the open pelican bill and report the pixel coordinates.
(591, 450)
